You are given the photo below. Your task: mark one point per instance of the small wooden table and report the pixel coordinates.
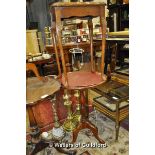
(40, 111)
(84, 10)
(38, 93)
(40, 64)
(41, 61)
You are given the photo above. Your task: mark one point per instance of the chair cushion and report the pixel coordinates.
(103, 101)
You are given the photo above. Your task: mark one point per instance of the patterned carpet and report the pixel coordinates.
(106, 129)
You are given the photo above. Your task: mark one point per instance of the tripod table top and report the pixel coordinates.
(83, 79)
(37, 90)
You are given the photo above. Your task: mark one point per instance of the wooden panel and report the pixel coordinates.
(74, 11)
(32, 42)
(36, 89)
(77, 4)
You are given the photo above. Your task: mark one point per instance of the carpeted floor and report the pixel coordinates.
(106, 129)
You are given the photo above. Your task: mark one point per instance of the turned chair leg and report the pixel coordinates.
(117, 126)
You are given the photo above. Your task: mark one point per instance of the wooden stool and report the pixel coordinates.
(80, 80)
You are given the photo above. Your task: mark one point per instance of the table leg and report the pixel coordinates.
(34, 130)
(85, 123)
(90, 26)
(58, 32)
(103, 29)
(113, 57)
(53, 34)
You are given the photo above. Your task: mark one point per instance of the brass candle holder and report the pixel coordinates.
(57, 131)
(77, 116)
(68, 125)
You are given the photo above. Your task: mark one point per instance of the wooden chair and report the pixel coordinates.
(79, 81)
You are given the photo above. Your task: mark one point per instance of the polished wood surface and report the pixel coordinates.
(36, 89)
(79, 79)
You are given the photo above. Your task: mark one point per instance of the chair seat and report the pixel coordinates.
(83, 79)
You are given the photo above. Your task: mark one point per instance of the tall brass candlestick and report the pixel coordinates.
(57, 131)
(77, 116)
(68, 125)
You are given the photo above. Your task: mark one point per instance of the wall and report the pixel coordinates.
(38, 11)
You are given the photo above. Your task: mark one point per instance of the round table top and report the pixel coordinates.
(83, 79)
(37, 90)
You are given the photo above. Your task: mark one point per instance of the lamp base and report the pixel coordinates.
(69, 125)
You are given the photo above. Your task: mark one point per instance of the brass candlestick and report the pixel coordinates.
(77, 116)
(68, 125)
(57, 131)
